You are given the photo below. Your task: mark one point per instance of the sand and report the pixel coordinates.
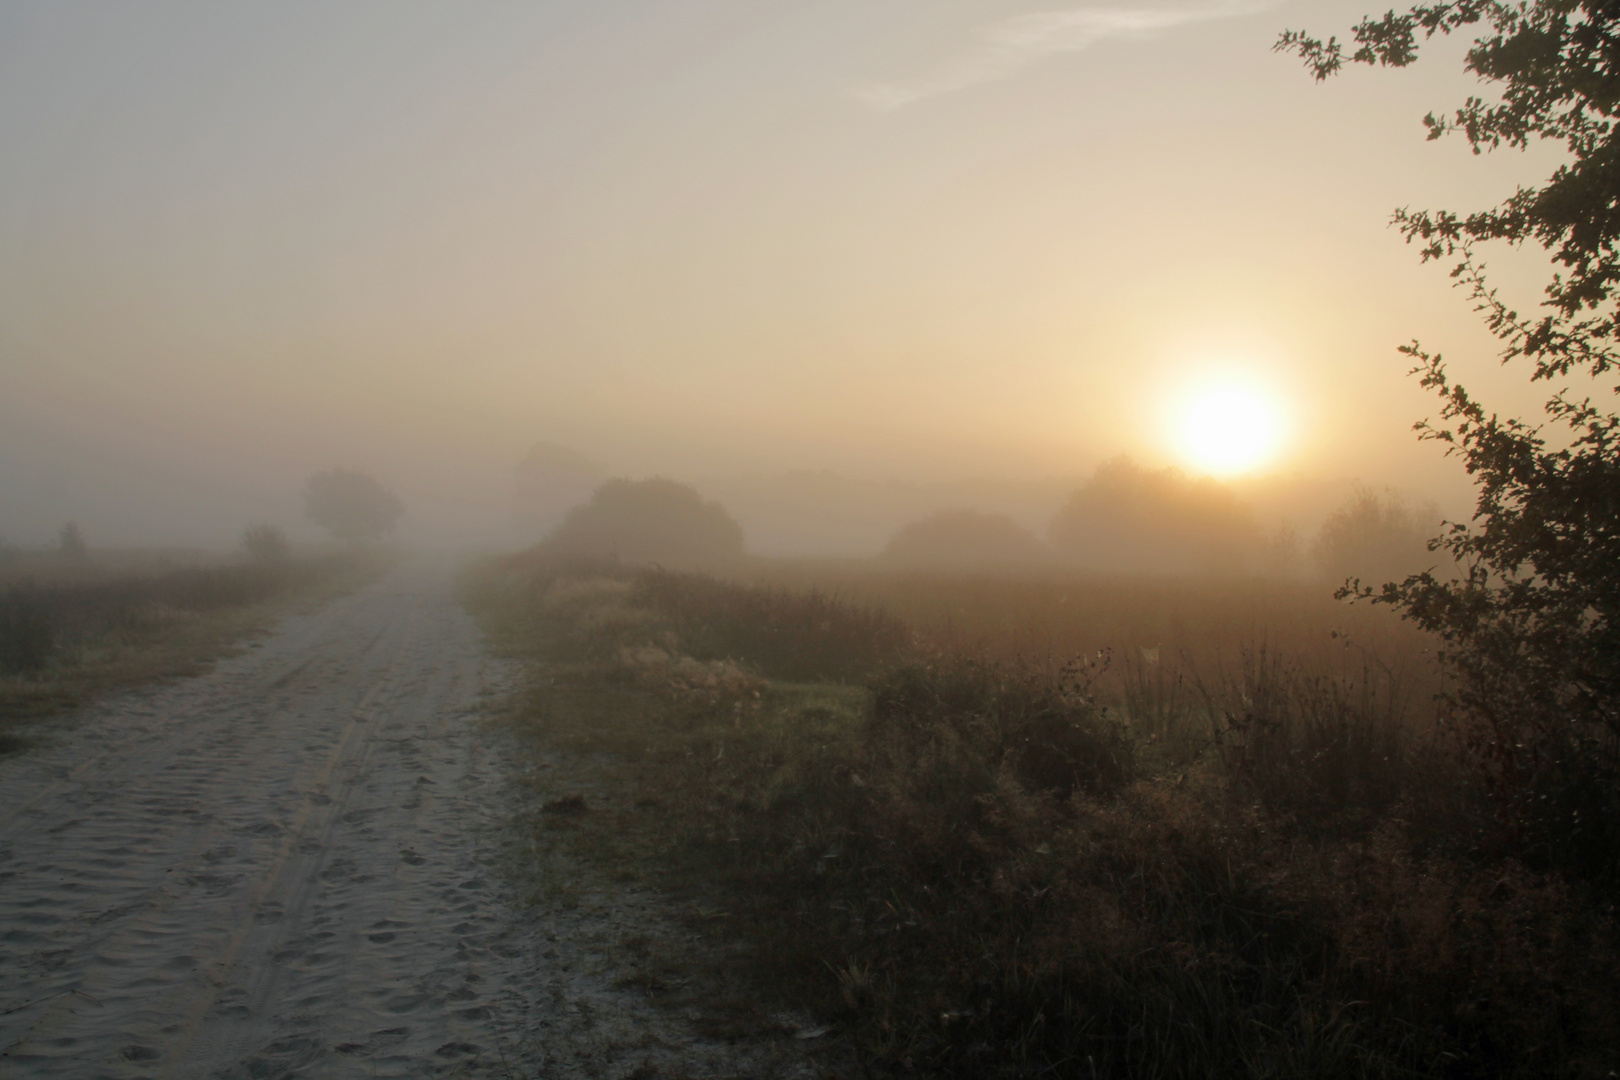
(290, 866)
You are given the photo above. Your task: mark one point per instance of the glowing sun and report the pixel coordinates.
(1229, 428)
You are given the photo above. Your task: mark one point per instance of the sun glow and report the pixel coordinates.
(1229, 428)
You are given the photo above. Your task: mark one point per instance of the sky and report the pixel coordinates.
(924, 242)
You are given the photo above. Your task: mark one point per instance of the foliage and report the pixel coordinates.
(70, 543)
(1531, 625)
(266, 544)
(351, 505)
(1130, 518)
(975, 869)
(1373, 536)
(965, 538)
(653, 520)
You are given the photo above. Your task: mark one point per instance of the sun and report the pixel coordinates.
(1229, 428)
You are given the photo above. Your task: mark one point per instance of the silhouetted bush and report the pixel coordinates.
(985, 717)
(640, 521)
(266, 544)
(1130, 518)
(354, 507)
(965, 538)
(1375, 537)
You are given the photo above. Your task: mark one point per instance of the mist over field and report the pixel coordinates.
(950, 539)
(840, 267)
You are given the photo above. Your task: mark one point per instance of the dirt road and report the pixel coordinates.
(287, 867)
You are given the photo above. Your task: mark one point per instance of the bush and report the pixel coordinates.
(354, 507)
(1130, 518)
(1375, 537)
(1046, 730)
(965, 538)
(642, 521)
(266, 544)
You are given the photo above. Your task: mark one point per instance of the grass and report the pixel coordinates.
(84, 631)
(1195, 857)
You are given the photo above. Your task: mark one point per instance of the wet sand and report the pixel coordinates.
(288, 867)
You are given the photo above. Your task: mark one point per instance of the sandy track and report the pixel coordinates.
(281, 866)
(285, 867)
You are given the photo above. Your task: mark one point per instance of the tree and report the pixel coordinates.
(654, 520)
(1529, 626)
(70, 543)
(1375, 536)
(351, 505)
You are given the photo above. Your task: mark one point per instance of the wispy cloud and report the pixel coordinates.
(1009, 46)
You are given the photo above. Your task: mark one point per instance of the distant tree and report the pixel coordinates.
(1130, 518)
(266, 544)
(351, 505)
(1532, 625)
(965, 538)
(1375, 536)
(70, 543)
(655, 520)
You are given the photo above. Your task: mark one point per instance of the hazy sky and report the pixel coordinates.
(921, 239)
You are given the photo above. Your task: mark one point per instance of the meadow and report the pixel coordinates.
(994, 825)
(71, 630)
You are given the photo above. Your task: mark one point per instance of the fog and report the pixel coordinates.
(839, 266)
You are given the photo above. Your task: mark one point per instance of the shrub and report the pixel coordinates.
(1130, 518)
(641, 521)
(266, 544)
(1047, 730)
(965, 538)
(354, 507)
(1375, 537)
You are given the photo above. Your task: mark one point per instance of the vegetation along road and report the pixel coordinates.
(290, 866)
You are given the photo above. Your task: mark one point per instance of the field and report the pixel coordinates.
(72, 630)
(992, 826)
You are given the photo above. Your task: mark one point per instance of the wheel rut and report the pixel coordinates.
(293, 866)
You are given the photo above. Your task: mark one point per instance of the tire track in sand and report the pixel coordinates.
(280, 867)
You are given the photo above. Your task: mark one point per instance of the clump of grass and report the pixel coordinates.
(980, 867)
(27, 638)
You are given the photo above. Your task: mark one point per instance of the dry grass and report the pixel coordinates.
(88, 630)
(1226, 860)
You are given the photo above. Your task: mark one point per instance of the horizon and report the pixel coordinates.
(926, 244)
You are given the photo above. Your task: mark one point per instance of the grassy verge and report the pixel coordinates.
(978, 867)
(64, 642)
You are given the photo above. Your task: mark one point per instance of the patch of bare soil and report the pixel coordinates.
(299, 864)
